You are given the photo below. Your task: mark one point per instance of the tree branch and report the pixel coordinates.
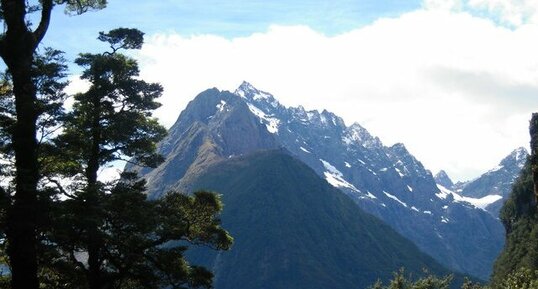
(62, 190)
(40, 31)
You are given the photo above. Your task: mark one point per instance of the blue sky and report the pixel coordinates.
(230, 18)
(455, 80)
(233, 18)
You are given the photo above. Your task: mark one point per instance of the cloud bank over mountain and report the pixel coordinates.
(436, 79)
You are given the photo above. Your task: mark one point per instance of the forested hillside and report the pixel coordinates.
(520, 218)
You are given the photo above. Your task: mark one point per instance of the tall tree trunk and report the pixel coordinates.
(21, 222)
(94, 241)
(534, 153)
(17, 48)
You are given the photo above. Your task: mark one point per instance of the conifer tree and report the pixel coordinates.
(48, 73)
(18, 45)
(108, 234)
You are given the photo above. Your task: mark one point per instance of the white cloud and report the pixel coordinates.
(76, 85)
(513, 13)
(456, 89)
(448, 5)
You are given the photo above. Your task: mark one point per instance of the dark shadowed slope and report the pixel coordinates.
(294, 230)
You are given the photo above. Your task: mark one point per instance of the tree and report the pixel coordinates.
(127, 241)
(521, 278)
(533, 130)
(17, 47)
(400, 281)
(141, 242)
(48, 73)
(520, 219)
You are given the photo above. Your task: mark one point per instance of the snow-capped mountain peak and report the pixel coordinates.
(388, 182)
(444, 180)
(357, 134)
(497, 182)
(252, 94)
(518, 157)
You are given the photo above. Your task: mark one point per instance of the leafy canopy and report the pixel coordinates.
(128, 241)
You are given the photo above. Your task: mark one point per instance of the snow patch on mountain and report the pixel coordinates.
(270, 122)
(371, 196)
(360, 165)
(336, 178)
(521, 154)
(305, 150)
(480, 203)
(221, 105)
(395, 198)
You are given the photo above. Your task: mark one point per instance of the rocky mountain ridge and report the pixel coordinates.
(388, 182)
(490, 190)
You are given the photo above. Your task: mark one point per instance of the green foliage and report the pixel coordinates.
(49, 74)
(112, 120)
(517, 264)
(521, 278)
(400, 281)
(123, 38)
(18, 44)
(78, 7)
(468, 284)
(108, 234)
(141, 242)
(521, 222)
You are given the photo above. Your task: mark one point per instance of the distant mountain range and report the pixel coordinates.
(490, 190)
(388, 182)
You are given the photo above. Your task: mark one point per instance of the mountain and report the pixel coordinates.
(386, 181)
(292, 229)
(442, 178)
(494, 186)
(213, 127)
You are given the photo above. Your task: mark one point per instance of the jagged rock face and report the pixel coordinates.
(215, 125)
(385, 181)
(444, 180)
(495, 184)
